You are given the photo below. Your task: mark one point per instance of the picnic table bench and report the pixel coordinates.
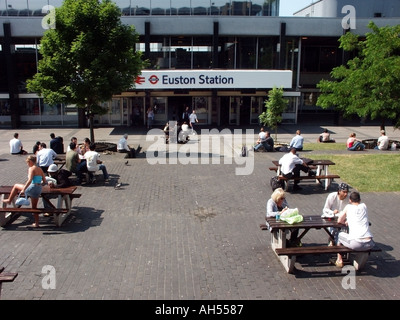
(60, 212)
(287, 255)
(322, 167)
(6, 277)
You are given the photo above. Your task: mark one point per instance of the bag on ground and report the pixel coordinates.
(276, 183)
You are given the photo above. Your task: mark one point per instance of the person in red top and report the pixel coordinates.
(354, 144)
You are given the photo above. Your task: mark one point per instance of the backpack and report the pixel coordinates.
(276, 183)
(244, 151)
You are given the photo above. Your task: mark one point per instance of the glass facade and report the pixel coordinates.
(156, 7)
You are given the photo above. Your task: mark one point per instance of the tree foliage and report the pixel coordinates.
(275, 105)
(88, 57)
(369, 85)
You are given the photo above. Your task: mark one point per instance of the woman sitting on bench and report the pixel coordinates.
(32, 188)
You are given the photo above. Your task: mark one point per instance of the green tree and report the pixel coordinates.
(275, 105)
(369, 85)
(87, 58)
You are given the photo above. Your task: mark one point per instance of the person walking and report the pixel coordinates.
(193, 120)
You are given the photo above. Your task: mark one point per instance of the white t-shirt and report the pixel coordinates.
(123, 144)
(357, 219)
(383, 142)
(91, 160)
(15, 146)
(193, 117)
(263, 136)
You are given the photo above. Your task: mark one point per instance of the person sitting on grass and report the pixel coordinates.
(325, 137)
(354, 144)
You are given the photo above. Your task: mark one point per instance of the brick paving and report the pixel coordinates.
(183, 232)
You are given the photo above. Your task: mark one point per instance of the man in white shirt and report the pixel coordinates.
(383, 141)
(291, 165)
(16, 145)
(334, 204)
(123, 147)
(45, 157)
(94, 163)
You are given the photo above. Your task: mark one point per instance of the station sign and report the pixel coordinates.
(214, 79)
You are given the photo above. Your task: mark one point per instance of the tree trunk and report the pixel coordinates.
(91, 128)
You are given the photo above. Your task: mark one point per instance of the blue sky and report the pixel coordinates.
(288, 7)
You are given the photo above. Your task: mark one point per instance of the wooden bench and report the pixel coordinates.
(359, 260)
(304, 250)
(8, 214)
(328, 179)
(6, 277)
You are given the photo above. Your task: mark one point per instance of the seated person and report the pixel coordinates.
(74, 163)
(58, 178)
(354, 144)
(383, 141)
(56, 143)
(355, 216)
(297, 141)
(264, 140)
(123, 147)
(325, 137)
(334, 204)
(94, 163)
(291, 165)
(276, 205)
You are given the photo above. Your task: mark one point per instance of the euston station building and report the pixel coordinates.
(219, 57)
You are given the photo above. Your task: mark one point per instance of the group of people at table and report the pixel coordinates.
(354, 215)
(78, 159)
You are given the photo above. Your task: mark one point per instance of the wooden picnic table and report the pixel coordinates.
(287, 255)
(60, 212)
(322, 168)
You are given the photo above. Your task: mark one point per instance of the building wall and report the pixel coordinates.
(364, 8)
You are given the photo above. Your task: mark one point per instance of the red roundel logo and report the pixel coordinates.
(153, 79)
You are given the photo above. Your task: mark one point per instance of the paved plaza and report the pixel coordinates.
(179, 231)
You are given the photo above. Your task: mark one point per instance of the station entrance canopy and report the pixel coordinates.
(213, 79)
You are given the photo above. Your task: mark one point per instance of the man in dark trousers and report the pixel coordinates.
(57, 179)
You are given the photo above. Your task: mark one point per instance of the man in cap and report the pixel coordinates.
(334, 204)
(57, 179)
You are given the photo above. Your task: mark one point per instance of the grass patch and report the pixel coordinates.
(324, 146)
(366, 173)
